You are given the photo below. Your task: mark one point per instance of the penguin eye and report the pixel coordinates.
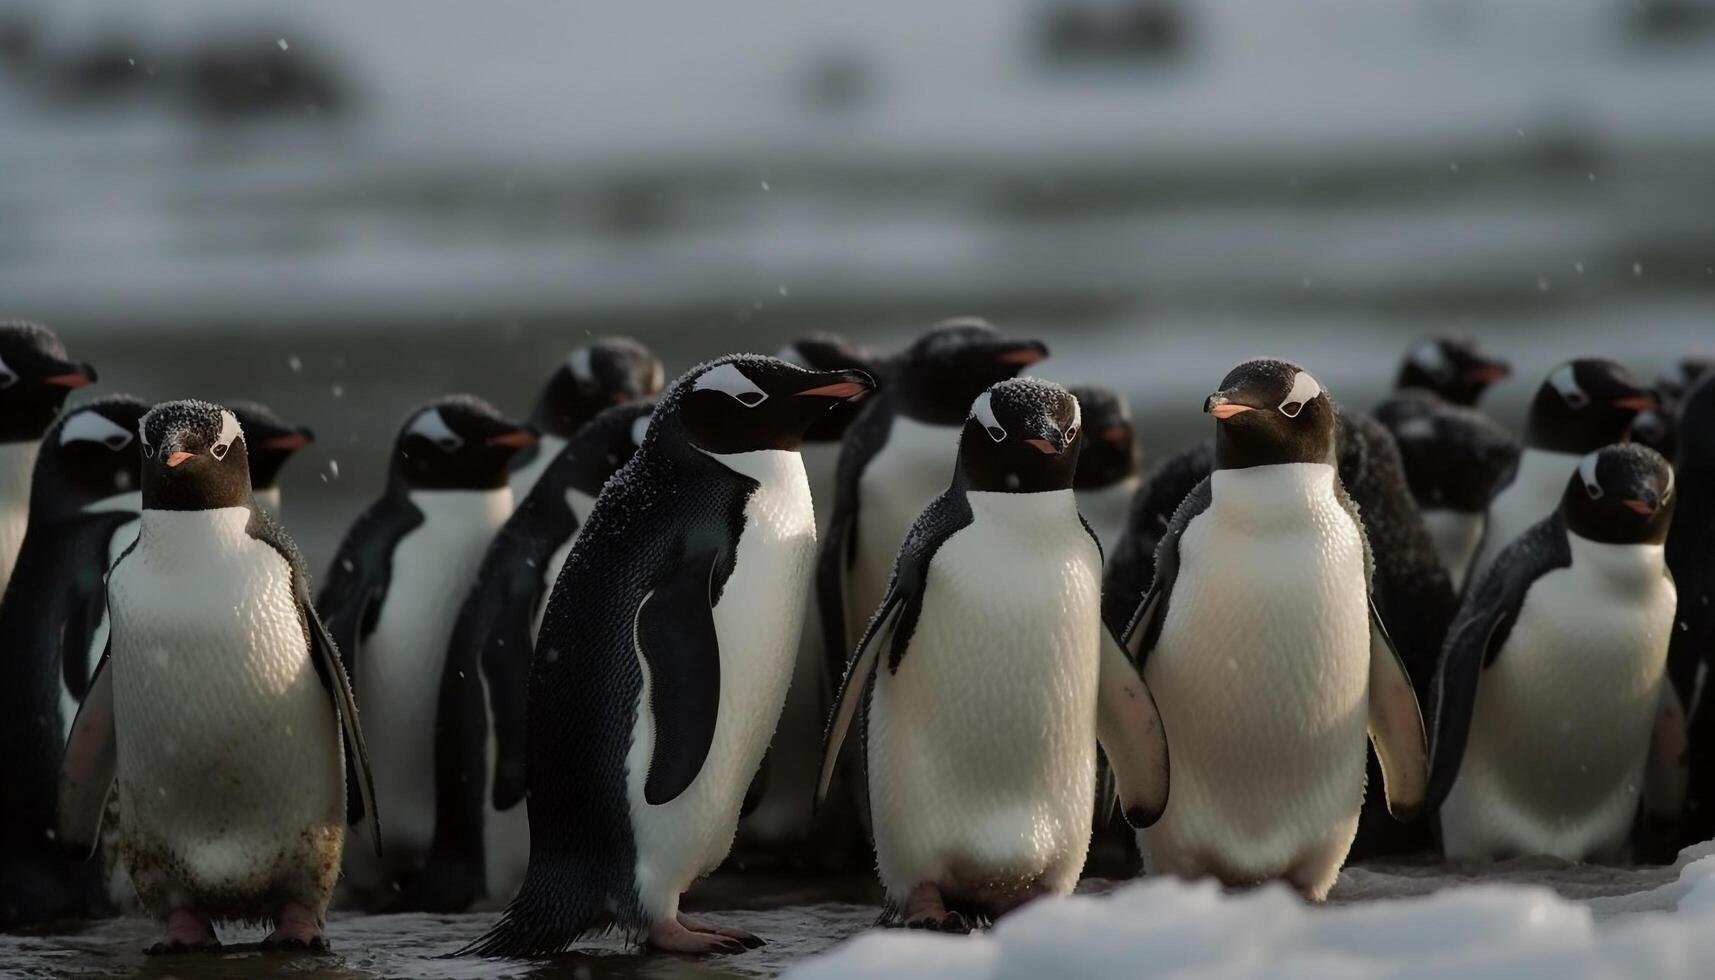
(750, 398)
(1565, 381)
(1291, 409)
(1587, 473)
(996, 433)
(1304, 388)
(1072, 433)
(982, 411)
(730, 381)
(1594, 490)
(218, 450)
(148, 451)
(117, 441)
(8, 377)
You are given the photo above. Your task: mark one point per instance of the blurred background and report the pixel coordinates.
(341, 209)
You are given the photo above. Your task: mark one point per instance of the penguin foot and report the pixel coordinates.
(186, 932)
(925, 909)
(673, 937)
(750, 940)
(296, 928)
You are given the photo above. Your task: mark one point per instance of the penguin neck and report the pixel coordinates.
(1266, 496)
(766, 466)
(1543, 472)
(491, 506)
(1022, 511)
(17, 467)
(181, 538)
(1626, 569)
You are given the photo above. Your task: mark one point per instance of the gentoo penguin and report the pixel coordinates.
(663, 660)
(1131, 559)
(607, 371)
(83, 508)
(274, 443)
(1108, 475)
(482, 838)
(780, 822)
(1454, 368)
(220, 711)
(390, 602)
(895, 459)
(1691, 557)
(1554, 707)
(1582, 406)
(1265, 653)
(1658, 428)
(982, 793)
(35, 378)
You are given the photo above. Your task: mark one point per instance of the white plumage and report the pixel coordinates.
(524, 477)
(1533, 494)
(17, 466)
(911, 469)
(1456, 535)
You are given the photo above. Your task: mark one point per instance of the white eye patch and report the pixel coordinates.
(432, 427)
(983, 411)
(729, 380)
(579, 364)
(1429, 357)
(639, 426)
(1587, 473)
(229, 434)
(8, 377)
(1565, 381)
(1304, 388)
(92, 426)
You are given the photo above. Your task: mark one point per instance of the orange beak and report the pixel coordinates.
(1042, 446)
(1637, 403)
(72, 379)
(1022, 356)
(516, 439)
(1638, 507)
(1119, 435)
(1488, 373)
(290, 442)
(839, 389)
(176, 458)
(1227, 411)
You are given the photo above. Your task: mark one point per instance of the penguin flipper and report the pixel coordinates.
(350, 597)
(1140, 633)
(677, 640)
(1129, 728)
(864, 440)
(1666, 777)
(359, 780)
(87, 554)
(86, 774)
(1478, 634)
(879, 634)
(1396, 725)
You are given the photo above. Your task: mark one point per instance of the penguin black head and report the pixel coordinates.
(745, 402)
(270, 441)
(1110, 454)
(194, 457)
(953, 363)
(459, 442)
(1658, 428)
(830, 352)
(607, 371)
(1023, 435)
(1584, 405)
(1269, 412)
(1454, 456)
(92, 453)
(35, 378)
(1453, 366)
(1621, 494)
(1696, 421)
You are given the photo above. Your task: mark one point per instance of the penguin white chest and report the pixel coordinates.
(580, 504)
(117, 542)
(522, 479)
(756, 619)
(229, 765)
(1261, 674)
(1456, 535)
(982, 745)
(1562, 719)
(399, 666)
(17, 467)
(1533, 494)
(911, 470)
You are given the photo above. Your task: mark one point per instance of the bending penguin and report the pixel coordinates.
(390, 601)
(217, 664)
(1107, 475)
(1554, 706)
(895, 459)
(664, 657)
(1582, 406)
(482, 839)
(275, 442)
(1000, 578)
(606, 372)
(83, 511)
(35, 378)
(1265, 654)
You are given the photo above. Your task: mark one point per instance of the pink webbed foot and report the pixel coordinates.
(186, 932)
(296, 927)
(750, 940)
(674, 937)
(925, 909)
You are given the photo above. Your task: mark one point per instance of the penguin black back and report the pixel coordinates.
(1110, 454)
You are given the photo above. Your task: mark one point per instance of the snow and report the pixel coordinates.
(1165, 928)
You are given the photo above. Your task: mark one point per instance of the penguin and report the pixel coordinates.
(390, 602)
(1580, 407)
(895, 459)
(1554, 709)
(987, 678)
(83, 510)
(481, 839)
(663, 660)
(1658, 428)
(1454, 368)
(35, 378)
(1108, 474)
(607, 371)
(1691, 557)
(1263, 648)
(1130, 561)
(780, 824)
(274, 442)
(220, 713)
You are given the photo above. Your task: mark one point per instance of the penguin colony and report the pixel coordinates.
(829, 604)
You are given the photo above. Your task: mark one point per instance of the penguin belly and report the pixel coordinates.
(230, 776)
(17, 468)
(1533, 494)
(1108, 509)
(1261, 674)
(982, 747)
(757, 619)
(1457, 534)
(121, 539)
(911, 470)
(1561, 725)
(580, 503)
(398, 673)
(524, 477)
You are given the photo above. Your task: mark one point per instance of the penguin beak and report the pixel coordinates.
(1118, 435)
(516, 438)
(1044, 447)
(289, 442)
(1637, 403)
(1639, 507)
(1023, 353)
(174, 459)
(79, 376)
(1222, 408)
(852, 384)
(1488, 373)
